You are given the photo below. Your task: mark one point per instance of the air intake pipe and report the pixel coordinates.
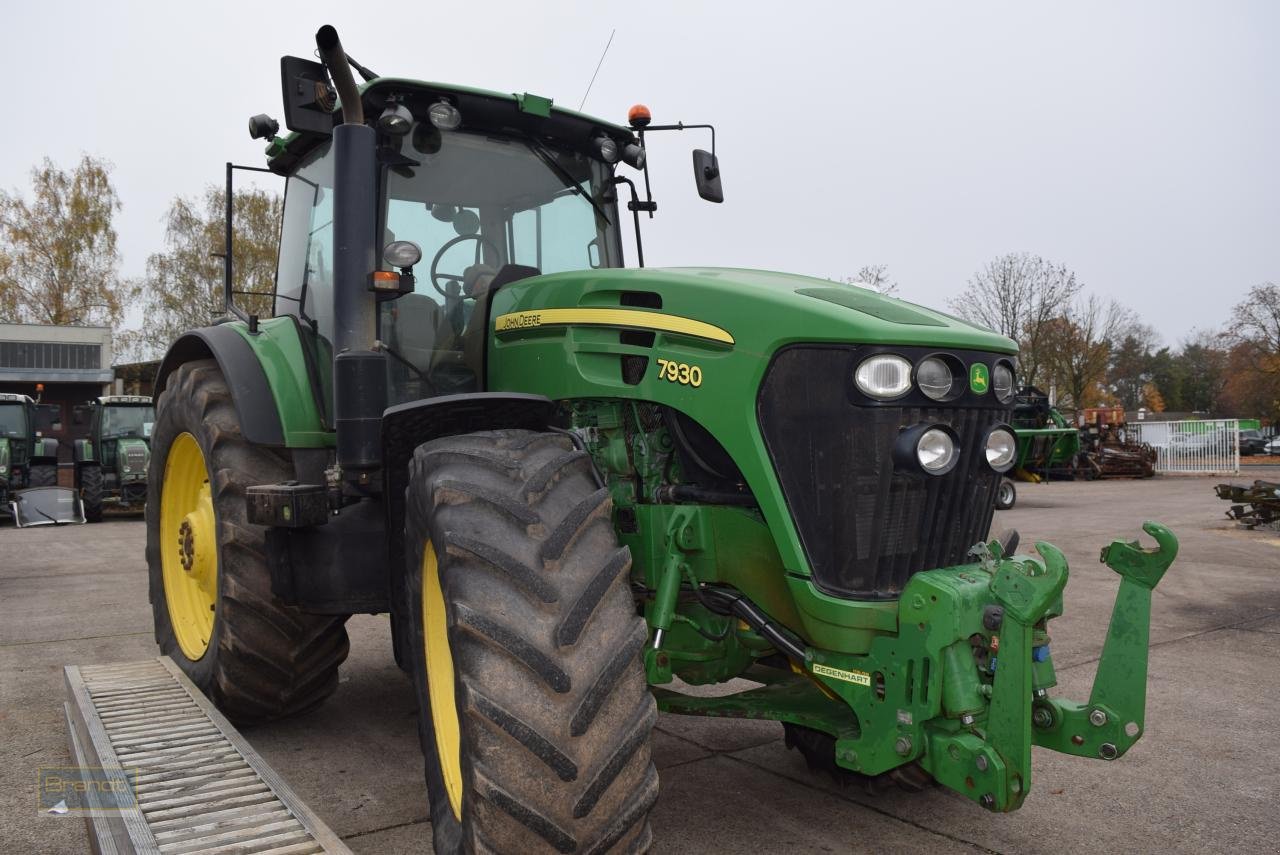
(359, 372)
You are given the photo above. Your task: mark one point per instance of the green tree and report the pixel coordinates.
(184, 283)
(1204, 373)
(1166, 370)
(58, 258)
(1129, 374)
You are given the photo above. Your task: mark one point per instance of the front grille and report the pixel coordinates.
(867, 527)
(135, 458)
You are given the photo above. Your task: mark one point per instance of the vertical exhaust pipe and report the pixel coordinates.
(359, 372)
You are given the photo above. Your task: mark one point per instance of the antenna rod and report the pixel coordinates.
(597, 71)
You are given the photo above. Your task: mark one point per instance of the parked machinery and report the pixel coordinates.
(26, 459)
(111, 463)
(1111, 449)
(1257, 505)
(1048, 445)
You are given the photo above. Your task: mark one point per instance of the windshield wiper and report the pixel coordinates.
(550, 160)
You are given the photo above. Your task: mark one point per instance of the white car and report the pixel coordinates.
(1273, 445)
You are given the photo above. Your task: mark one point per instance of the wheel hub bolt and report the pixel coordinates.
(1097, 718)
(981, 763)
(187, 545)
(902, 745)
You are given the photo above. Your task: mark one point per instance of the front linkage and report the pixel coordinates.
(961, 691)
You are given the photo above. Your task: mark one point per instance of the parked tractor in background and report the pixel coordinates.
(571, 483)
(112, 462)
(26, 458)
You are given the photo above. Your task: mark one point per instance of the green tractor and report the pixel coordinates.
(112, 462)
(577, 487)
(26, 459)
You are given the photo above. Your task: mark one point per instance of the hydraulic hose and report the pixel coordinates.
(727, 602)
(335, 59)
(680, 493)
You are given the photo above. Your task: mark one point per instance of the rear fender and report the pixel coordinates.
(276, 384)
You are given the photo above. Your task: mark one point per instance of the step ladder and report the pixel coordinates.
(189, 782)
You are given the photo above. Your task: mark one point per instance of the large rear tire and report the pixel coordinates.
(535, 718)
(44, 475)
(255, 657)
(91, 491)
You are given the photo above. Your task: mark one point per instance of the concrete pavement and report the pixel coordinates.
(1206, 777)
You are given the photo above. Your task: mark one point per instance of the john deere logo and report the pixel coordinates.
(979, 379)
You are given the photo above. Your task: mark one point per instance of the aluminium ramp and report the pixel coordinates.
(198, 787)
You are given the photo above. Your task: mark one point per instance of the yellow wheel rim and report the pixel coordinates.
(188, 546)
(440, 689)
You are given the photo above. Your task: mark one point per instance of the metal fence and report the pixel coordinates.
(1211, 446)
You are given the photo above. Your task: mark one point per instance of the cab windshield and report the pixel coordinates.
(13, 420)
(473, 203)
(118, 422)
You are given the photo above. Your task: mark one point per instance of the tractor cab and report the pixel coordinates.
(26, 459)
(515, 191)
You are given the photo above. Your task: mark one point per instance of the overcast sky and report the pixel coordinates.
(1134, 142)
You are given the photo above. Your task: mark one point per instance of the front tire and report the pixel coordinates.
(255, 657)
(91, 491)
(1006, 495)
(534, 714)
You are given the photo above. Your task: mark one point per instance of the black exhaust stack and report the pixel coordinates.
(359, 372)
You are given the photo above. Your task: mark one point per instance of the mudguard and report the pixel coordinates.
(250, 391)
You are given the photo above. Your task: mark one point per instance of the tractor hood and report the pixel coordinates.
(755, 310)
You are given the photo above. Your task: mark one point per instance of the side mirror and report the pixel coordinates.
(706, 173)
(308, 97)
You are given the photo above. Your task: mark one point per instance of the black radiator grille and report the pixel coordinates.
(865, 527)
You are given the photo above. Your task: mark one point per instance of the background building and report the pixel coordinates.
(60, 367)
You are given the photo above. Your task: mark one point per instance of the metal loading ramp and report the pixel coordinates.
(200, 788)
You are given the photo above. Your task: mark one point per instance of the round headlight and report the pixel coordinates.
(936, 451)
(444, 116)
(1002, 382)
(402, 253)
(607, 149)
(934, 378)
(885, 376)
(1001, 447)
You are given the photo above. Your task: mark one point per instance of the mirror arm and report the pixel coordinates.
(709, 172)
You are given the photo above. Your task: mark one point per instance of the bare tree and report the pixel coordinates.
(58, 259)
(1019, 295)
(875, 277)
(1256, 320)
(1079, 343)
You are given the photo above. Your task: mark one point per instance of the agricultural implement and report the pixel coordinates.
(26, 459)
(1256, 505)
(1111, 449)
(112, 462)
(568, 481)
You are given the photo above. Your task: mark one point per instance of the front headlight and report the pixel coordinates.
(936, 451)
(1002, 445)
(885, 376)
(1002, 382)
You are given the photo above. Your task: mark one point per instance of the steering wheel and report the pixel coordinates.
(437, 276)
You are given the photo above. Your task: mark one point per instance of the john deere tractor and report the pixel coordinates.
(111, 464)
(577, 487)
(26, 459)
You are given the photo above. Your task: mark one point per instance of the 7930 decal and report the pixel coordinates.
(680, 372)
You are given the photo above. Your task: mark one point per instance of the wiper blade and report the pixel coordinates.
(549, 159)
